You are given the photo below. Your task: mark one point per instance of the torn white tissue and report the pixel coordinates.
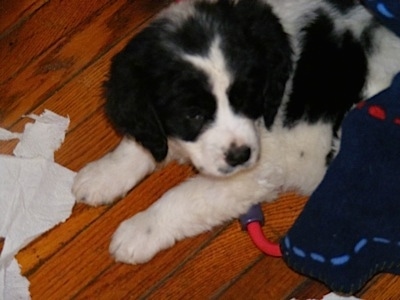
(42, 138)
(334, 296)
(6, 135)
(35, 194)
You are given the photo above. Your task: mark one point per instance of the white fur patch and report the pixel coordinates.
(112, 176)
(384, 62)
(208, 152)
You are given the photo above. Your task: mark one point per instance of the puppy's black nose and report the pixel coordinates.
(237, 155)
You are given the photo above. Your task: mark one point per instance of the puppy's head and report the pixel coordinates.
(201, 75)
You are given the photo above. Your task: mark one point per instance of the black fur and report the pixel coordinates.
(260, 71)
(150, 103)
(343, 5)
(329, 77)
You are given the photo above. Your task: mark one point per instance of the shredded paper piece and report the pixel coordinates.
(35, 194)
(334, 296)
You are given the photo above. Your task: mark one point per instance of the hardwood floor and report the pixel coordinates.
(55, 55)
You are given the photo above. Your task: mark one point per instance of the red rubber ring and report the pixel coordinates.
(261, 242)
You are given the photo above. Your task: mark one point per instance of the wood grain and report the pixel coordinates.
(15, 13)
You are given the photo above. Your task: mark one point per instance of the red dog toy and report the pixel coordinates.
(252, 222)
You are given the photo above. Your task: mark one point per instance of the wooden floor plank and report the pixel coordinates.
(67, 56)
(14, 13)
(122, 281)
(82, 96)
(39, 34)
(281, 214)
(217, 264)
(310, 289)
(31, 257)
(268, 279)
(88, 142)
(44, 29)
(384, 286)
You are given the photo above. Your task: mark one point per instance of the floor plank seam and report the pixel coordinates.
(21, 21)
(73, 76)
(220, 292)
(42, 262)
(61, 39)
(188, 258)
(292, 294)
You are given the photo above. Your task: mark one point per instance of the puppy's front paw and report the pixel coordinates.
(101, 182)
(139, 238)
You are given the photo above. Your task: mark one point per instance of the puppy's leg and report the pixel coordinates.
(193, 207)
(113, 175)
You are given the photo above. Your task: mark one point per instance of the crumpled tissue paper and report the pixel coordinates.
(35, 194)
(334, 296)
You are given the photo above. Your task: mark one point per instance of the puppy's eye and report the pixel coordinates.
(195, 119)
(194, 114)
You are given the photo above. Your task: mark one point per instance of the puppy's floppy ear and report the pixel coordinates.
(130, 97)
(267, 35)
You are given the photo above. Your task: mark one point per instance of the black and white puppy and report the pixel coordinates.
(251, 92)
